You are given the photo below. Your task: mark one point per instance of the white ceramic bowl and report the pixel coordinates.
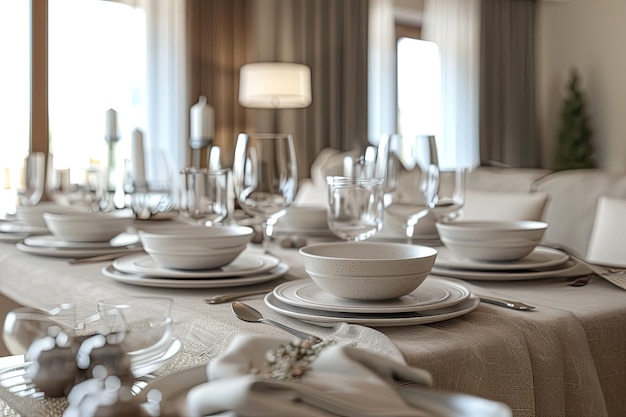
(88, 227)
(491, 241)
(304, 218)
(196, 260)
(368, 270)
(33, 215)
(191, 238)
(489, 251)
(494, 231)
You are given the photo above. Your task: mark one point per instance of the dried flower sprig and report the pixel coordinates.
(290, 361)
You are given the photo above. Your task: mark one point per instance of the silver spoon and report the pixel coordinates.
(247, 313)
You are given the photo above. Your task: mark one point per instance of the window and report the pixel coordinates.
(96, 59)
(94, 65)
(418, 87)
(14, 96)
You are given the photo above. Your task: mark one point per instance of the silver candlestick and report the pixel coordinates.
(108, 203)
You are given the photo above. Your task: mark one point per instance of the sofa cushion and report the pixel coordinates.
(608, 233)
(487, 205)
(504, 179)
(573, 197)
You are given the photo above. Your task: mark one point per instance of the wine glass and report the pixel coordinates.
(265, 177)
(450, 194)
(412, 180)
(355, 207)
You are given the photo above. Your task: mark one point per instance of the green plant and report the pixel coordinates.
(575, 147)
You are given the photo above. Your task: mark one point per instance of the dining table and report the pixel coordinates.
(565, 357)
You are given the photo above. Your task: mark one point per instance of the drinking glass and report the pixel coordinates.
(412, 179)
(156, 196)
(81, 187)
(265, 177)
(32, 179)
(450, 196)
(355, 207)
(206, 195)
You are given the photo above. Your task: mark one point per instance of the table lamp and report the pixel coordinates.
(275, 85)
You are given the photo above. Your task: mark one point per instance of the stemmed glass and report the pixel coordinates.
(450, 195)
(412, 179)
(355, 207)
(265, 177)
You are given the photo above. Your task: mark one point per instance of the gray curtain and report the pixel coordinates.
(330, 36)
(508, 126)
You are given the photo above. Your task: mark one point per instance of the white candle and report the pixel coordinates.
(202, 119)
(137, 155)
(111, 124)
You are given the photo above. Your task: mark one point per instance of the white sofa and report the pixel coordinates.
(566, 200)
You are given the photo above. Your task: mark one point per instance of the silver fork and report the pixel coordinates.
(222, 298)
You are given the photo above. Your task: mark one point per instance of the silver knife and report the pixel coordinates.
(515, 305)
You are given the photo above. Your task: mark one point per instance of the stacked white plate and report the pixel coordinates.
(49, 245)
(249, 268)
(542, 262)
(436, 299)
(13, 231)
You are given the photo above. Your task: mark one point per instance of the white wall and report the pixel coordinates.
(589, 35)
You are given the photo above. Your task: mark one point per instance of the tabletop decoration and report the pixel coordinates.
(201, 117)
(128, 337)
(291, 360)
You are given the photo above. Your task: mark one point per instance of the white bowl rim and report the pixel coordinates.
(91, 216)
(411, 275)
(427, 251)
(494, 243)
(211, 252)
(493, 225)
(199, 231)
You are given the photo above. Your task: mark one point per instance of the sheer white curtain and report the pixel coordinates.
(382, 98)
(166, 80)
(454, 25)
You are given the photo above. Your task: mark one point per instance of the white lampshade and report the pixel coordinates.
(275, 85)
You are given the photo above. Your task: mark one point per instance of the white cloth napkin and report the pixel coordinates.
(343, 380)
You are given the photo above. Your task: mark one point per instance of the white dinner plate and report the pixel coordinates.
(74, 252)
(372, 319)
(50, 241)
(232, 281)
(248, 263)
(434, 293)
(540, 258)
(561, 270)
